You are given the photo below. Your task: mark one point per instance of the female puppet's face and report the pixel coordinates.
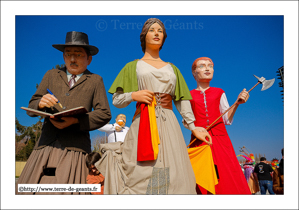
(154, 36)
(204, 71)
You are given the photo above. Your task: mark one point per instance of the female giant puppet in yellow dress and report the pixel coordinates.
(141, 164)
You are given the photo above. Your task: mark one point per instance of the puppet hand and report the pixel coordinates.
(47, 101)
(243, 97)
(143, 96)
(201, 129)
(118, 128)
(202, 136)
(67, 121)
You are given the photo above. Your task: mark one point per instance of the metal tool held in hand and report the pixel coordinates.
(266, 84)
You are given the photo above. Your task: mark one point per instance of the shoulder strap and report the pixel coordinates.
(114, 134)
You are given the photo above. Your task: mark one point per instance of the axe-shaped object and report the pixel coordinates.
(266, 84)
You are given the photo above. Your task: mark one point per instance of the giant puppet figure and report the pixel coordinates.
(207, 104)
(59, 155)
(153, 158)
(116, 131)
(248, 170)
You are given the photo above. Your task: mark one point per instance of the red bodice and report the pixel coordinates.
(205, 106)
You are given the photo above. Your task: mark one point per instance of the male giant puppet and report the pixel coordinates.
(207, 104)
(59, 155)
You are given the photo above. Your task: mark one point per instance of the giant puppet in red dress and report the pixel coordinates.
(208, 104)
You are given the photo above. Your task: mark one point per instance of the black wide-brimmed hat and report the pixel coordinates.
(76, 39)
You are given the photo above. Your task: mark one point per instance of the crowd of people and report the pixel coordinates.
(262, 178)
(151, 156)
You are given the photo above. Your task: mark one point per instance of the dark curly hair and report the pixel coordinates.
(92, 158)
(145, 29)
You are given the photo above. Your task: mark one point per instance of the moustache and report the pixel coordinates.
(74, 64)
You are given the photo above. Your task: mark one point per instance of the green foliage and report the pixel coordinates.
(59, 66)
(26, 137)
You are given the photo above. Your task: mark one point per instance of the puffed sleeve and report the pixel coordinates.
(107, 128)
(223, 106)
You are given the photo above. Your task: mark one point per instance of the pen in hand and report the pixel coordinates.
(55, 97)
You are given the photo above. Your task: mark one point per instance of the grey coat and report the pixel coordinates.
(88, 91)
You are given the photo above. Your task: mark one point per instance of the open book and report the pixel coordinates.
(68, 113)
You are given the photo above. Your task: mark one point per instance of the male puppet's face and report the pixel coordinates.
(121, 120)
(204, 71)
(76, 59)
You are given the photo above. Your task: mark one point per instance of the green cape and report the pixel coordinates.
(127, 80)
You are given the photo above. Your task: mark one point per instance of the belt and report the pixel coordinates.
(163, 99)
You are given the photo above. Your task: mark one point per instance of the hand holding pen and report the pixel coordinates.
(48, 100)
(55, 97)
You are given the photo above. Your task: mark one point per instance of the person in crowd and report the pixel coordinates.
(262, 173)
(208, 103)
(252, 183)
(117, 131)
(278, 177)
(153, 158)
(94, 176)
(59, 154)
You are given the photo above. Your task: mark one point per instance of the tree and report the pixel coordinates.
(96, 141)
(26, 137)
(59, 66)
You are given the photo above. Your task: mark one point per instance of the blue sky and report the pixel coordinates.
(259, 42)
(239, 46)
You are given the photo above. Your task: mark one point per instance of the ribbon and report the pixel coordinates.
(201, 159)
(148, 135)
